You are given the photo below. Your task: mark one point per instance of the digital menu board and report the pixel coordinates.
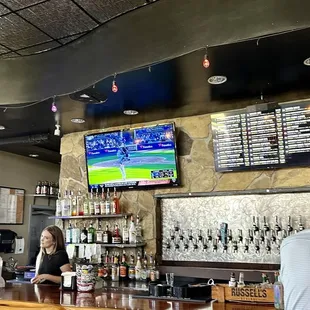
(264, 136)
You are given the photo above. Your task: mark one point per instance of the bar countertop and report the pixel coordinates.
(19, 295)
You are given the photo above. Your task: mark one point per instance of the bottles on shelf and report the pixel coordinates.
(116, 238)
(91, 234)
(132, 231)
(107, 235)
(47, 188)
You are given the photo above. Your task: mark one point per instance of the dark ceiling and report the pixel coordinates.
(29, 27)
(272, 66)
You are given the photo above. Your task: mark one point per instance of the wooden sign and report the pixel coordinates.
(248, 293)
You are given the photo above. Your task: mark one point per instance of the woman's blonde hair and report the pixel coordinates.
(59, 241)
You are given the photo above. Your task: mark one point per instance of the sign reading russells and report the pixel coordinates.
(249, 294)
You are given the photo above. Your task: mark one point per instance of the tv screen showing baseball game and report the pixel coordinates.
(133, 158)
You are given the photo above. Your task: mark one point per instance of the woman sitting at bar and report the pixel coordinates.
(52, 259)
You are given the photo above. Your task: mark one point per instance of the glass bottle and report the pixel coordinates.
(73, 204)
(125, 232)
(108, 203)
(123, 269)
(152, 269)
(278, 292)
(84, 234)
(232, 282)
(58, 205)
(107, 236)
(91, 203)
(91, 234)
(38, 188)
(131, 268)
(79, 203)
(85, 205)
(102, 203)
(138, 268)
(144, 270)
(65, 208)
(241, 280)
(69, 233)
(99, 234)
(116, 209)
(138, 230)
(116, 238)
(132, 231)
(115, 270)
(76, 234)
(97, 203)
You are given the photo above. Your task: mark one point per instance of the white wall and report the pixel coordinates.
(22, 172)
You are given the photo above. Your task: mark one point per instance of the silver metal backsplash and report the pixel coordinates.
(189, 224)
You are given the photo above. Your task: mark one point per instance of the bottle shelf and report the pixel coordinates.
(90, 216)
(43, 196)
(113, 245)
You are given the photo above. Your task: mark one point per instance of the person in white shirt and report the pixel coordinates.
(295, 271)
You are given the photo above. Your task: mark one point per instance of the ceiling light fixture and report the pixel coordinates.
(307, 62)
(206, 62)
(114, 86)
(78, 120)
(54, 108)
(217, 79)
(2, 127)
(33, 155)
(130, 112)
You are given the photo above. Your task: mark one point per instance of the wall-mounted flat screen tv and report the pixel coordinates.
(132, 158)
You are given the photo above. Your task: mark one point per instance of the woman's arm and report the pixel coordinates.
(56, 279)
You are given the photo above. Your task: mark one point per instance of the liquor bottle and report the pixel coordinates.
(102, 203)
(91, 203)
(84, 235)
(79, 203)
(144, 270)
(38, 188)
(278, 292)
(73, 207)
(97, 203)
(99, 234)
(139, 238)
(107, 267)
(116, 238)
(116, 208)
(58, 205)
(152, 269)
(131, 268)
(125, 232)
(138, 268)
(241, 280)
(132, 231)
(115, 270)
(76, 234)
(107, 236)
(69, 233)
(85, 205)
(232, 282)
(91, 234)
(65, 205)
(108, 203)
(44, 188)
(123, 269)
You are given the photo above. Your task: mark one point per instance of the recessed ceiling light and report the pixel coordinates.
(33, 155)
(307, 62)
(78, 120)
(2, 127)
(217, 79)
(130, 112)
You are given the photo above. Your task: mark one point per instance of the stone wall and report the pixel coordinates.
(195, 150)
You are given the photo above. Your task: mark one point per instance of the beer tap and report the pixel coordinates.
(205, 247)
(225, 248)
(176, 226)
(167, 245)
(209, 235)
(190, 235)
(214, 246)
(172, 236)
(176, 245)
(186, 245)
(284, 234)
(235, 246)
(289, 227)
(277, 228)
(265, 227)
(195, 245)
(273, 236)
(229, 237)
(257, 248)
(268, 247)
(262, 236)
(300, 225)
(255, 226)
(251, 238)
(246, 245)
(199, 235)
(218, 235)
(181, 236)
(240, 238)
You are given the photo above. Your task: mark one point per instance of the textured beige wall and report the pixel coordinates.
(196, 167)
(22, 172)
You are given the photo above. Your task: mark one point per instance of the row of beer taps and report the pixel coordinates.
(259, 237)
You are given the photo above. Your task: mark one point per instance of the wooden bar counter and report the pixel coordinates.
(28, 296)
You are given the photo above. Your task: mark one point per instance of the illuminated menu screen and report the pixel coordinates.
(262, 137)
